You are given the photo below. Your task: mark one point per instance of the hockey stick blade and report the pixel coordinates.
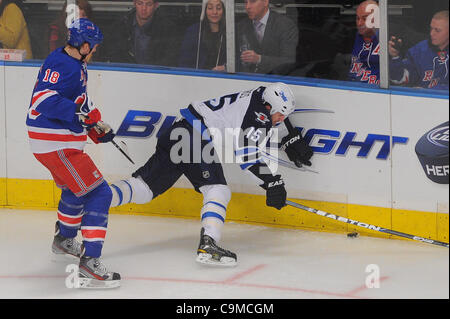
(365, 225)
(122, 151)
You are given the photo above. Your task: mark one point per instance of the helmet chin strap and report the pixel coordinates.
(83, 56)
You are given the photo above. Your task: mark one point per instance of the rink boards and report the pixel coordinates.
(365, 141)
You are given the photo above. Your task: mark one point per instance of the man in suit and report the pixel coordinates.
(267, 40)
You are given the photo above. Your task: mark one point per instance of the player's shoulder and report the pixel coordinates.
(257, 113)
(62, 63)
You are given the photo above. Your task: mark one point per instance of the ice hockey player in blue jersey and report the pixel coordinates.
(60, 117)
(191, 147)
(426, 64)
(365, 64)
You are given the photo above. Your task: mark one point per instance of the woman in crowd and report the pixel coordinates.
(58, 28)
(204, 44)
(13, 28)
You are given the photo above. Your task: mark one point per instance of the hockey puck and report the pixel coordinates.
(352, 235)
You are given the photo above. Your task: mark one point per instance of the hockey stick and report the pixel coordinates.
(121, 151)
(101, 127)
(365, 225)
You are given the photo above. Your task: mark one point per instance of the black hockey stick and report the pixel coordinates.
(365, 225)
(122, 151)
(102, 127)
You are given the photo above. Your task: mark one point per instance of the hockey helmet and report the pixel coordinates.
(83, 30)
(280, 98)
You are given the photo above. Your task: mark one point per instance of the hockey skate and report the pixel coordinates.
(65, 247)
(211, 254)
(92, 273)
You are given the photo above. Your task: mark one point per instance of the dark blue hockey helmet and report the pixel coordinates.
(83, 30)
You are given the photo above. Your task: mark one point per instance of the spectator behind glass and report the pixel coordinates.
(144, 35)
(58, 28)
(365, 64)
(267, 41)
(13, 28)
(425, 64)
(212, 35)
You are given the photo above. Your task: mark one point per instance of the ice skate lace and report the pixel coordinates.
(73, 244)
(99, 266)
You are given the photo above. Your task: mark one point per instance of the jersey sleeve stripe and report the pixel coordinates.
(39, 97)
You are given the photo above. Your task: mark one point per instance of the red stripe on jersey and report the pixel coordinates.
(93, 233)
(40, 94)
(69, 220)
(57, 137)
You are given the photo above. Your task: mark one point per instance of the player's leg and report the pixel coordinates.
(92, 273)
(152, 179)
(70, 213)
(78, 172)
(213, 215)
(214, 209)
(208, 178)
(70, 209)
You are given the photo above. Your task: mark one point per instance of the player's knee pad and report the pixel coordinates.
(132, 190)
(214, 210)
(98, 200)
(101, 193)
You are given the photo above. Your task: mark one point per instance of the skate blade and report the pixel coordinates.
(207, 259)
(90, 283)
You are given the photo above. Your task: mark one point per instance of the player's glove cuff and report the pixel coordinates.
(101, 133)
(275, 192)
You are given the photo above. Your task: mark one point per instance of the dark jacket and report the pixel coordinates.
(163, 46)
(208, 52)
(278, 47)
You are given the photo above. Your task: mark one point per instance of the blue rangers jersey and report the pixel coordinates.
(365, 64)
(51, 120)
(424, 65)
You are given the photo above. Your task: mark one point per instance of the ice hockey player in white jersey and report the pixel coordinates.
(191, 147)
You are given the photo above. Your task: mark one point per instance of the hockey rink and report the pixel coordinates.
(156, 259)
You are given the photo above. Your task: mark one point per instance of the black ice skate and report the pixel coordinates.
(92, 273)
(67, 247)
(209, 253)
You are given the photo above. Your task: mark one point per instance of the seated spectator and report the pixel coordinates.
(210, 53)
(365, 63)
(58, 28)
(13, 28)
(267, 40)
(425, 64)
(144, 35)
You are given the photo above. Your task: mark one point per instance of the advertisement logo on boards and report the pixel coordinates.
(144, 124)
(432, 152)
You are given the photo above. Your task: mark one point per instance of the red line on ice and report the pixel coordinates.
(355, 291)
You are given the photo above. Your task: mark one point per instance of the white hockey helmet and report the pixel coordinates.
(280, 98)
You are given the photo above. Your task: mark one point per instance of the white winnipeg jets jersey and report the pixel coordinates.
(242, 110)
(243, 115)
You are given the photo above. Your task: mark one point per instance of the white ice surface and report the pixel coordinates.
(156, 259)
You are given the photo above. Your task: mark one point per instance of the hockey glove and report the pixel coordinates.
(275, 192)
(297, 149)
(101, 133)
(87, 113)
